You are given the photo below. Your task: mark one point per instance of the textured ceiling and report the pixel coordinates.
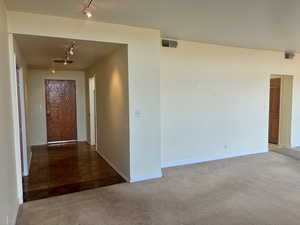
(264, 24)
(39, 51)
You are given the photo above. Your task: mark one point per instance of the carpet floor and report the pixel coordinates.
(294, 153)
(261, 189)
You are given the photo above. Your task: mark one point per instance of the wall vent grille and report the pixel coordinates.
(166, 43)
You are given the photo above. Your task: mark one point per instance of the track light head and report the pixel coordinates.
(87, 7)
(87, 13)
(71, 51)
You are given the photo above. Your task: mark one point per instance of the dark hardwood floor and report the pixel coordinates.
(67, 168)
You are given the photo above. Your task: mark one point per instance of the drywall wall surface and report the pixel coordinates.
(215, 101)
(37, 103)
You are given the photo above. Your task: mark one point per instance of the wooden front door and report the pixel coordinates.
(61, 110)
(274, 109)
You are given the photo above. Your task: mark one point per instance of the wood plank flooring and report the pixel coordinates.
(61, 169)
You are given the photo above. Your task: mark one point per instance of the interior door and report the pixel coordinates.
(61, 110)
(274, 110)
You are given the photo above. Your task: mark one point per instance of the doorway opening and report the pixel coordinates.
(280, 111)
(62, 117)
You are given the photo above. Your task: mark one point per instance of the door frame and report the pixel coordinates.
(285, 109)
(92, 110)
(46, 106)
(22, 121)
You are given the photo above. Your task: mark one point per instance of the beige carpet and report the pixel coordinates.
(294, 153)
(262, 189)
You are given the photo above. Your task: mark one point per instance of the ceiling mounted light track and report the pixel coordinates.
(66, 60)
(87, 8)
(71, 50)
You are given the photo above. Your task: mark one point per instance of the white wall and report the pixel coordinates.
(112, 106)
(215, 101)
(144, 77)
(37, 104)
(8, 185)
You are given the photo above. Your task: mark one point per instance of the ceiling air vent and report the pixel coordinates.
(169, 43)
(62, 61)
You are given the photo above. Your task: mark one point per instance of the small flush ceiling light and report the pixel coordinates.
(53, 71)
(87, 8)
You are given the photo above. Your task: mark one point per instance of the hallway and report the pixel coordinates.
(67, 168)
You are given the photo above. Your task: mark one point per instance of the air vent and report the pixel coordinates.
(169, 43)
(62, 61)
(289, 55)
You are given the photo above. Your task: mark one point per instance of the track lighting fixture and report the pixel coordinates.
(87, 9)
(66, 60)
(71, 51)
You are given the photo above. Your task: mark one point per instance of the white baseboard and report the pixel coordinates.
(113, 166)
(129, 180)
(138, 179)
(295, 146)
(60, 142)
(26, 173)
(195, 161)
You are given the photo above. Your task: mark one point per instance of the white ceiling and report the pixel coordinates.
(264, 24)
(39, 51)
